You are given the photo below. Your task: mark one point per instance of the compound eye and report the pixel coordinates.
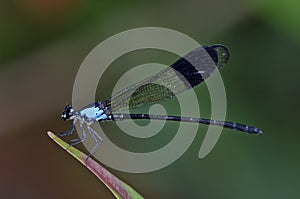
(67, 112)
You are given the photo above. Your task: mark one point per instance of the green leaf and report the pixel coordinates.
(116, 186)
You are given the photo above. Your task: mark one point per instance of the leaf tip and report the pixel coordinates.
(51, 135)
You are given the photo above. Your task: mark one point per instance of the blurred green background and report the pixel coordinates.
(43, 42)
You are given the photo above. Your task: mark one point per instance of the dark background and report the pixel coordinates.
(43, 42)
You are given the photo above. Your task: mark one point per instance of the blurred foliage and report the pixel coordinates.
(283, 15)
(29, 24)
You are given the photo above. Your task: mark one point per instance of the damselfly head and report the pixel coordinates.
(68, 113)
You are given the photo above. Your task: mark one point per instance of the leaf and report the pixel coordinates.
(116, 186)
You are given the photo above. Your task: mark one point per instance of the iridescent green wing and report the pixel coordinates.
(186, 73)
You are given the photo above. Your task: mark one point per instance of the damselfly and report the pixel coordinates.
(186, 73)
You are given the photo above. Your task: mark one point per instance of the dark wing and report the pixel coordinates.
(184, 74)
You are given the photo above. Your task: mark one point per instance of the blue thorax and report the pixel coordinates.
(93, 113)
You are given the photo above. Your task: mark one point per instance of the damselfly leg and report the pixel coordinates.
(80, 139)
(98, 141)
(70, 132)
